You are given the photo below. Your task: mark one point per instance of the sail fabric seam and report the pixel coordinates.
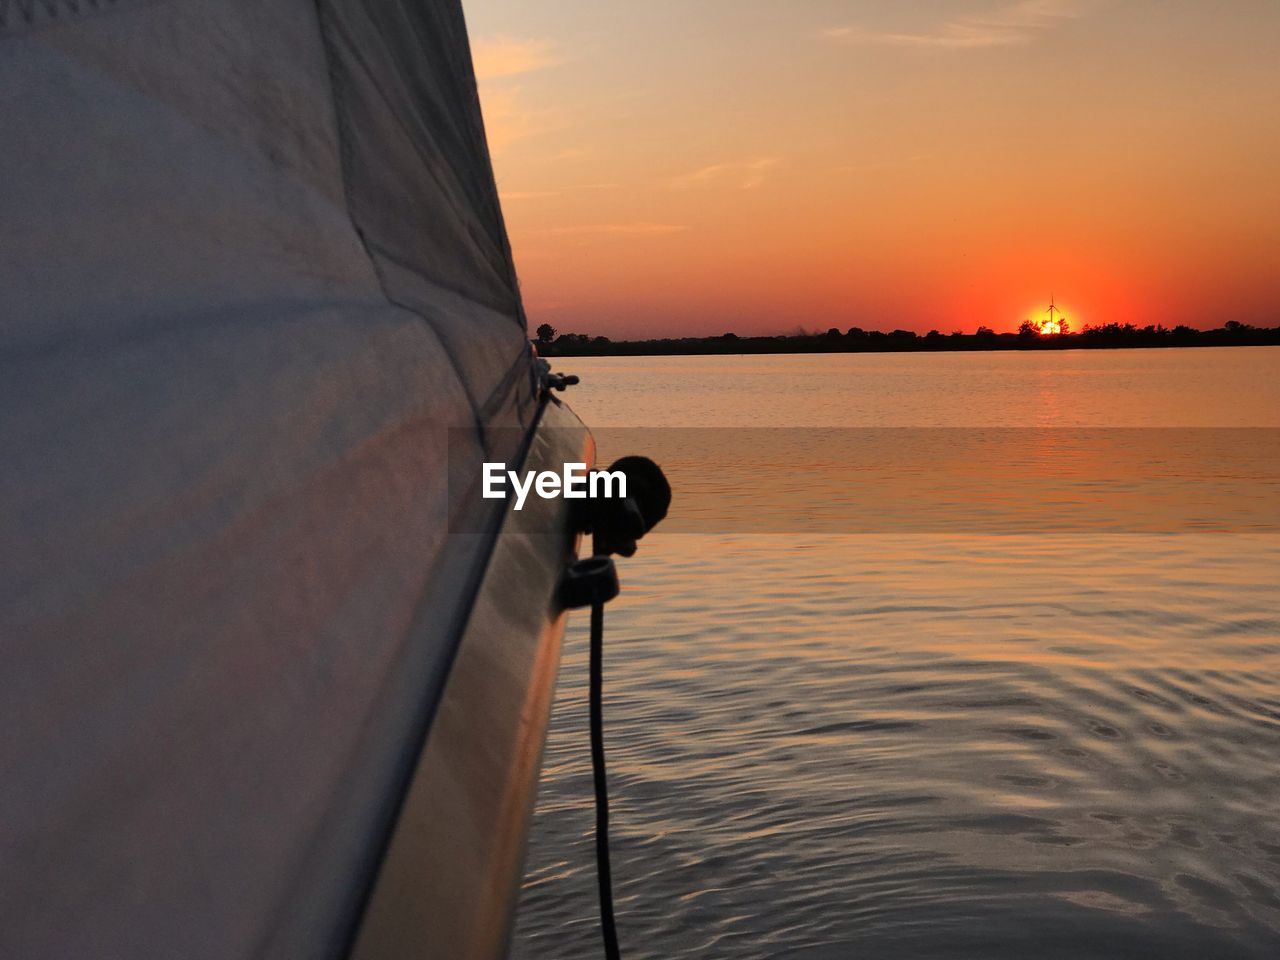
(454, 630)
(463, 86)
(483, 409)
(345, 160)
(375, 250)
(430, 169)
(491, 200)
(344, 163)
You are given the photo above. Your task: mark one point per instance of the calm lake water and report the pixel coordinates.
(949, 743)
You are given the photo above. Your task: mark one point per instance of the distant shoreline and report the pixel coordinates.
(1109, 337)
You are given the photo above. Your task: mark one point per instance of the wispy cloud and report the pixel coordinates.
(755, 172)
(509, 195)
(745, 175)
(508, 57)
(1010, 25)
(640, 228)
(509, 119)
(516, 195)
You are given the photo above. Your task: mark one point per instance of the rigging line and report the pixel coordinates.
(604, 874)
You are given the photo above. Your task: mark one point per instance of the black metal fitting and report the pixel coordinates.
(560, 381)
(616, 525)
(588, 582)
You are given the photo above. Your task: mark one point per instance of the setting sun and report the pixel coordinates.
(1050, 320)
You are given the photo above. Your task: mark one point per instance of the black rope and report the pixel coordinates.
(615, 526)
(603, 872)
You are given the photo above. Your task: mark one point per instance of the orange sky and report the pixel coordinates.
(679, 167)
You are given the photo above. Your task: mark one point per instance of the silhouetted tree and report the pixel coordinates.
(1028, 330)
(1105, 336)
(546, 333)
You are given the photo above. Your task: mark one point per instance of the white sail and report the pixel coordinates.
(252, 269)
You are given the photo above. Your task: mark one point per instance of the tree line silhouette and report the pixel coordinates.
(551, 343)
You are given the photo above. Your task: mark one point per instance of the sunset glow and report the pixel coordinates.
(674, 168)
(1051, 320)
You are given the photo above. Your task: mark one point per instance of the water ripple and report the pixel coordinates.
(1045, 747)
